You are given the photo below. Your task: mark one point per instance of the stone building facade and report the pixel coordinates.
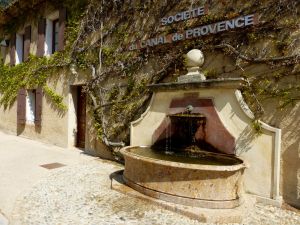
(39, 119)
(33, 115)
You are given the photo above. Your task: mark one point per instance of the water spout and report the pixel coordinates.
(189, 109)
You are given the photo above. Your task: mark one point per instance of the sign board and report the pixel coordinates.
(239, 22)
(185, 15)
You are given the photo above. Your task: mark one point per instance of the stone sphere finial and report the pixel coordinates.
(194, 58)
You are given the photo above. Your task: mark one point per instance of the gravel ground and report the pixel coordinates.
(82, 195)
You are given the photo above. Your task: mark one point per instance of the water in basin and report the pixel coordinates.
(199, 157)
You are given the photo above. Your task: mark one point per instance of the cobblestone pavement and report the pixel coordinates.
(82, 195)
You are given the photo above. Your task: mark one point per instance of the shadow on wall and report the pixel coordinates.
(288, 120)
(93, 145)
(291, 174)
(8, 106)
(291, 160)
(243, 143)
(61, 113)
(21, 128)
(96, 148)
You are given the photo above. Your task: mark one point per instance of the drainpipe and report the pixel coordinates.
(116, 146)
(113, 144)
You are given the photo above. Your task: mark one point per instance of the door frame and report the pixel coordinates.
(72, 117)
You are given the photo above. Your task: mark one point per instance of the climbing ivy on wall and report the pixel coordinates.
(37, 70)
(99, 36)
(30, 75)
(121, 22)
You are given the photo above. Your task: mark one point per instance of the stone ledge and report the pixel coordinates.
(226, 83)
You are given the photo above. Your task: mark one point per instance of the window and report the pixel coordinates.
(48, 38)
(55, 36)
(51, 41)
(19, 48)
(30, 106)
(51, 33)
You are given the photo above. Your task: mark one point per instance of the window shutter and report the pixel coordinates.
(21, 108)
(38, 106)
(62, 26)
(41, 37)
(13, 50)
(27, 41)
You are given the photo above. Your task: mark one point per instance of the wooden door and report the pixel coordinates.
(81, 117)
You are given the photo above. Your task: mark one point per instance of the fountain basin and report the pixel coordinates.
(214, 181)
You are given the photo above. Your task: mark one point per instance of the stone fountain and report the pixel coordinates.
(193, 143)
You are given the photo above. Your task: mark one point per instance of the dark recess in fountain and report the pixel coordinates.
(185, 135)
